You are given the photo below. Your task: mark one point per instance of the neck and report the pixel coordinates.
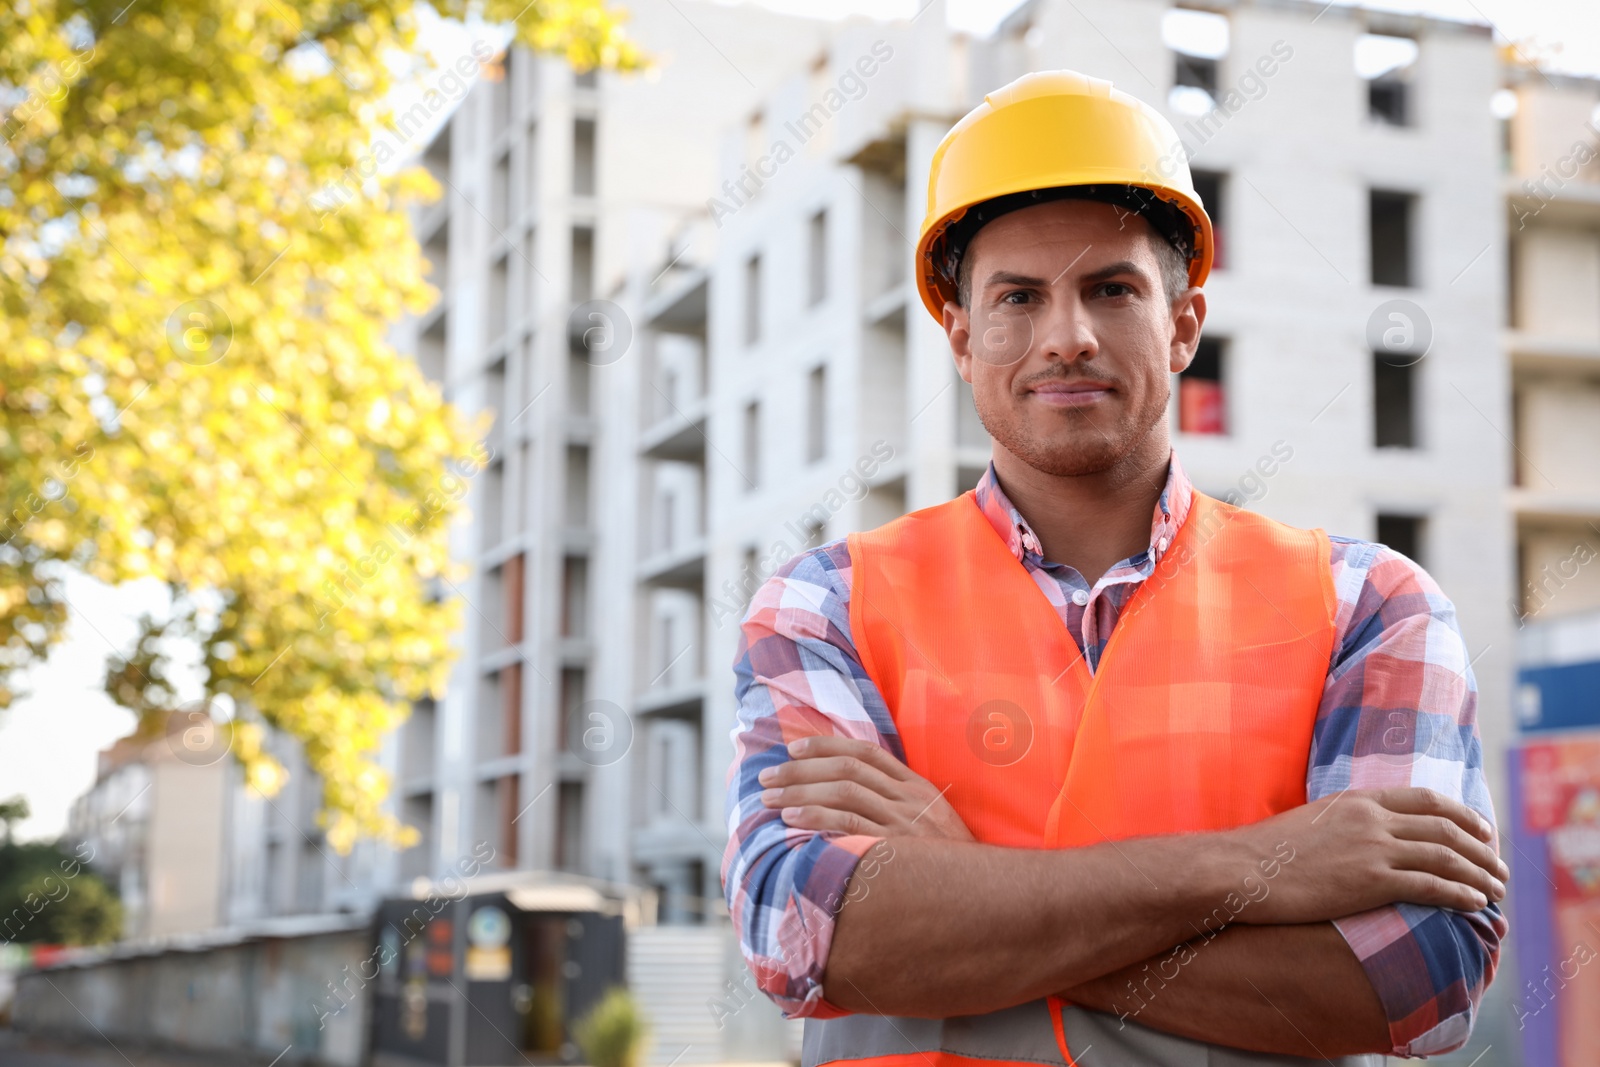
(1089, 522)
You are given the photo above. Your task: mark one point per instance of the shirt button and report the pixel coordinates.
(1079, 597)
(1161, 545)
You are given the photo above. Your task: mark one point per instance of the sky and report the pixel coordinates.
(1570, 24)
(1574, 25)
(48, 739)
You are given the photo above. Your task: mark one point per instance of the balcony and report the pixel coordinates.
(1545, 504)
(428, 219)
(678, 303)
(1557, 436)
(679, 568)
(670, 839)
(500, 658)
(1552, 202)
(680, 437)
(574, 651)
(681, 701)
(1545, 352)
(581, 429)
(493, 768)
(577, 540)
(571, 768)
(888, 308)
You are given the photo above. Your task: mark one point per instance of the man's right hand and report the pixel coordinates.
(1362, 849)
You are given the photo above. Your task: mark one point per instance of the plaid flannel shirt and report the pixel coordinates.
(1399, 661)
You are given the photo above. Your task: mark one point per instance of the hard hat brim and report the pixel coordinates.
(1166, 215)
(1052, 130)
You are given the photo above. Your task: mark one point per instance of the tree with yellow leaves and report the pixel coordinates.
(194, 383)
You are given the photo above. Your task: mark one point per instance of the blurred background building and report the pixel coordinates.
(153, 823)
(1553, 341)
(685, 301)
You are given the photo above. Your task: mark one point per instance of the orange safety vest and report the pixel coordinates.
(1198, 718)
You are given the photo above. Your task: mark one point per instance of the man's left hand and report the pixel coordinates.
(856, 787)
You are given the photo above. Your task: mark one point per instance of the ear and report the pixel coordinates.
(958, 330)
(1188, 318)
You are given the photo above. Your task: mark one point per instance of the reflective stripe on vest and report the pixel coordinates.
(1198, 718)
(1024, 1034)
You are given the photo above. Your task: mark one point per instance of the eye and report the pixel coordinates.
(1016, 296)
(1117, 289)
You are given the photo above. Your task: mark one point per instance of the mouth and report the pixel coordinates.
(1073, 394)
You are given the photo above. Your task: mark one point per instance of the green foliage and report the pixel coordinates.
(198, 264)
(48, 896)
(613, 1032)
(13, 810)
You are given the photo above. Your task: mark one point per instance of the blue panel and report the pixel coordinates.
(1535, 938)
(1569, 696)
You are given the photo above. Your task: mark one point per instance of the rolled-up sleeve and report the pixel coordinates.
(1400, 709)
(796, 674)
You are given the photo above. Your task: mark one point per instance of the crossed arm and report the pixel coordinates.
(1291, 989)
(947, 926)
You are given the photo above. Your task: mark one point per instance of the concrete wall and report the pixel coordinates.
(1559, 418)
(273, 997)
(270, 997)
(1560, 568)
(1558, 292)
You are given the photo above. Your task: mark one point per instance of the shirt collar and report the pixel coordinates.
(1170, 511)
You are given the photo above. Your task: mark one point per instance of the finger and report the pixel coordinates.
(1415, 887)
(1422, 801)
(840, 796)
(814, 817)
(1445, 862)
(867, 752)
(1445, 832)
(830, 769)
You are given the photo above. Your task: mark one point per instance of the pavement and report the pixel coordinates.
(28, 1050)
(31, 1050)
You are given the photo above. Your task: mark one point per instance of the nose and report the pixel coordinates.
(1062, 330)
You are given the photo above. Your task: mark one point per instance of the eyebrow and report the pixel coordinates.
(1121, 267)
(1125, 266)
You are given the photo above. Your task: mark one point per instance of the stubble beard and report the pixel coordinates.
(1087, 449)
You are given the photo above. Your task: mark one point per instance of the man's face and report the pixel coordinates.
(1068, 341)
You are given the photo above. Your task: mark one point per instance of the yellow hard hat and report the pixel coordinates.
(1052, 130)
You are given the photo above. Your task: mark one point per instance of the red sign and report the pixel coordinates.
(441, 960)
(1561, 798)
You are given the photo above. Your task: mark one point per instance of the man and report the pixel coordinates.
(1085, 759)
